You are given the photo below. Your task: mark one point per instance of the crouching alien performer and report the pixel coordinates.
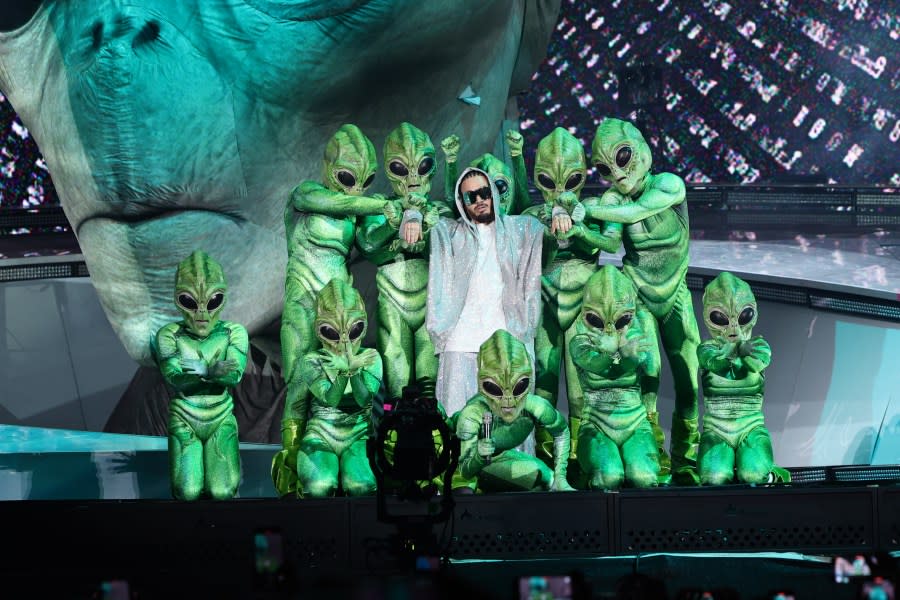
(343, 379)
(614, 345)
(201, 357)
(501, 416)
(732, 363)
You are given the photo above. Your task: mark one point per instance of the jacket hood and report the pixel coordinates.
(460, 205)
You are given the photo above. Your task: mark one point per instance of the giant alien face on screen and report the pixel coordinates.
(170, 125)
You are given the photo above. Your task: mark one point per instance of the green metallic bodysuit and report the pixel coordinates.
(201, 358)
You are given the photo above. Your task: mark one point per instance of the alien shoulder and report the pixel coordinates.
(468, 423)
(670, 184)
(165, 345)
(237, 335)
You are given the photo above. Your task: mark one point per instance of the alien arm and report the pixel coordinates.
(665, 191)
(374, 237)
(587, 357)
(468, 426)
(522, 199)
(313, 197)
(755, 354)
(326, 390)
(366, 382)
(451, 173)
(711, 358)
(228, 372)
(555, 424)
(608, 240)
(169, 358)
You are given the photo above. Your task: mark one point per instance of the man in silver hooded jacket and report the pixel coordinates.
(484, 274)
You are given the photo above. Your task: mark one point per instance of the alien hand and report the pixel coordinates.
(631, 347)
(568, 201)
(220, 368)
(415, 200)
(339, 363)
(366, 358)
(578, 213)
(486, 448)
(194, 366)
(608, 344)
(749, 347)
(450, 146)
(393, 212)
(515, 141)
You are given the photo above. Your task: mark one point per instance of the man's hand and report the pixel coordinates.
(412, 232)
(450, 146)
(486, 448)
(560, 221)
(515, 141)
(194, 366)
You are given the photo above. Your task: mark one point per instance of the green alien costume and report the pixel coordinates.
(504, 370)
(513, 188)
(656, 239)
(615, 344)
(343, 379)
(202, 357)
(320, 221)
(402, 277)
(569, 260)
(732, 364)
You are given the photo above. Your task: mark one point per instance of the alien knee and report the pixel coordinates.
(713, 477)
(643, 478)
(359, 488)
(753, 474)
(187, 490)
(319, 488)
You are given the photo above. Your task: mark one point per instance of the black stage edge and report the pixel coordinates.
(158, 543)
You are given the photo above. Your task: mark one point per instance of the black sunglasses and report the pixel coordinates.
(472, 196)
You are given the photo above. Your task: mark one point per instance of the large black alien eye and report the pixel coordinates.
(624, 320)
(545, 181)
(718, 318)
(573, 181)
(329, 333)
(187, 301)
(216, 301)
(369, 180)
(521, 386)
(623, 156)
(398, 168)
(603, 170)
(16, 14)
(346, 178)
(746, 315)
(356, 330)
(491, 388)
(502, 185)
(594, 320)
(426, 165)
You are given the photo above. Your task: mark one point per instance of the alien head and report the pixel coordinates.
(504, 374)
(609, 304)
(340, 318)
(350, 162)
(559, 165)
(729, 308)
(621, 155)
(200, 292)
(409, 160)
(501, 175)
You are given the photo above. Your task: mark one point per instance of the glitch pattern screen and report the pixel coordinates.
(732, 92)
(725, 92)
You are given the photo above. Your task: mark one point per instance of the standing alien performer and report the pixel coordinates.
(343, 379)
(656, 236)
(201, 357)
(402, 277)
(320, 221)
(504, 372)
(614, 345)
(732, 365)
(572, 243)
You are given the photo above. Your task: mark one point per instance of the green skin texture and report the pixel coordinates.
(402, 277)
(653, 210)
(320, 221)
(614, 347)
(732, 365)
(505, 367)
(201, 357)
(513, 186)
(560, 170)
(343, 379)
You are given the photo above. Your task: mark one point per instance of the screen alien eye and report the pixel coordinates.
(545, 182)
(216, 301)
(346, 178)
(521, 386)
(187, 301)
(398, 168)
(329, 333)
(426, 166)
(573, 181)
(594, 320)
(502, 185)
(491, 388)
(623, 321)
(623, 156)
(356, 330)
(369, 180)
(603, 170)
(717, 317)
(746, 315)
